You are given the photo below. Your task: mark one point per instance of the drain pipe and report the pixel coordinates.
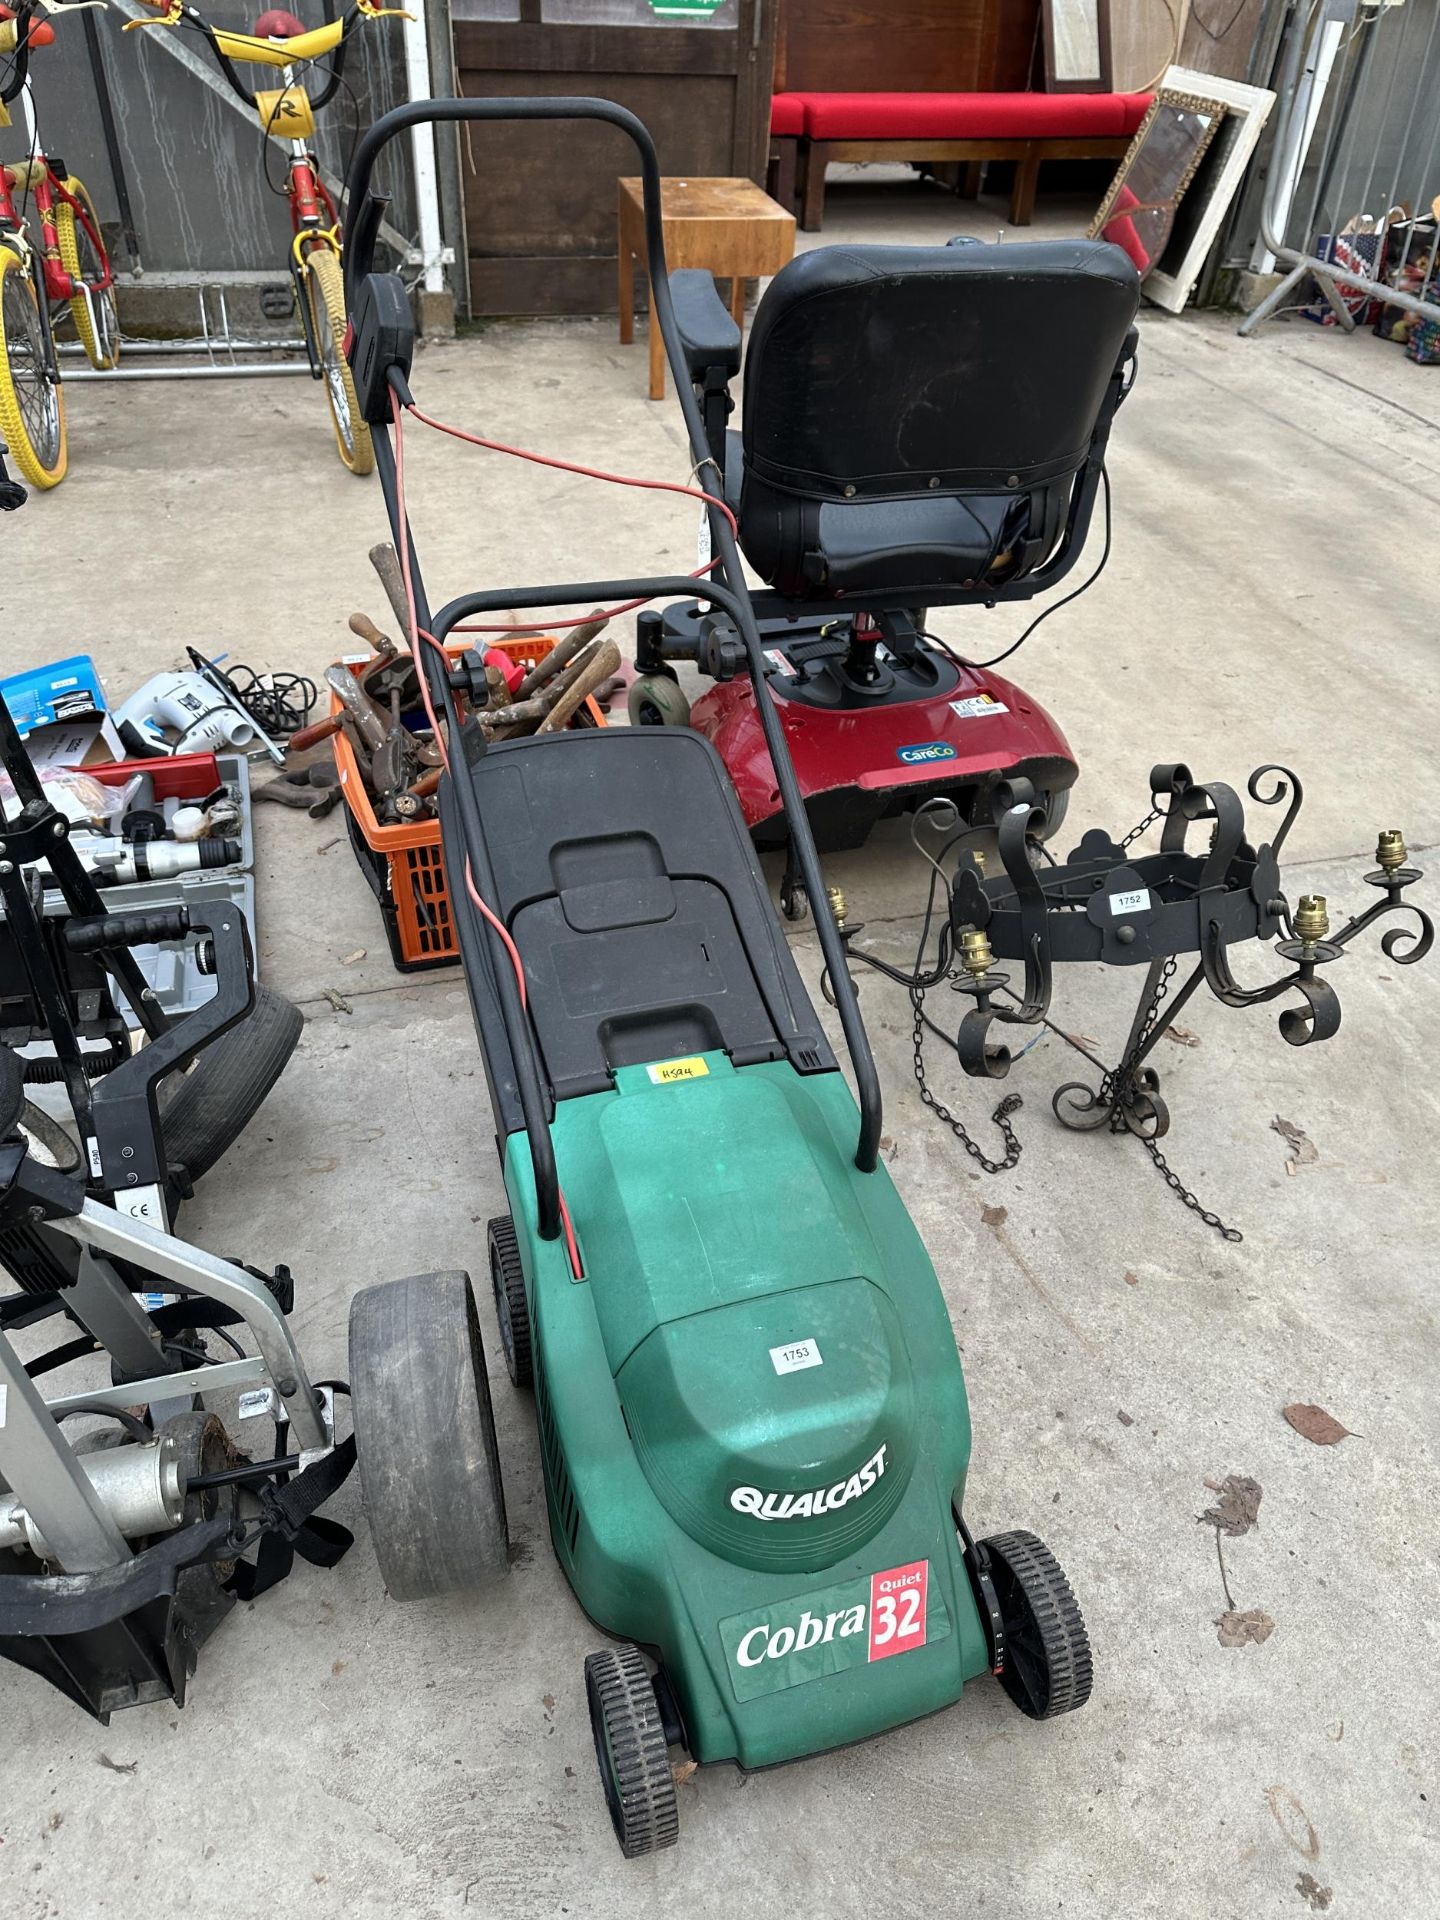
(434, 255)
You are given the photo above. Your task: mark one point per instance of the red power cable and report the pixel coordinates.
(419, 633)
(587, 473)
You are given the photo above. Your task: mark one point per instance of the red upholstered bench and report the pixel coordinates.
(968, 128)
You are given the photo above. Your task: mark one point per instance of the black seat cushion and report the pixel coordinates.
(924, 407)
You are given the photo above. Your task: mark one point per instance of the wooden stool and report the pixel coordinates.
(729, 226)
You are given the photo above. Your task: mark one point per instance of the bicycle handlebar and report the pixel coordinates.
(230, 48)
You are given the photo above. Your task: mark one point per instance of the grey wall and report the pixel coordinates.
(193, 162)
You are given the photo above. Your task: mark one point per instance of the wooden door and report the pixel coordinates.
(906, 46)
(540, 197)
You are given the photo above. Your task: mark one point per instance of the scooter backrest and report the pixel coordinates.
(923, 373)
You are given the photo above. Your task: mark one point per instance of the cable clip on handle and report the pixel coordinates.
(381, 340)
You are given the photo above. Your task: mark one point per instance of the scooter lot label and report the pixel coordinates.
(818, 1634)
(976, 707)
(663, 1072)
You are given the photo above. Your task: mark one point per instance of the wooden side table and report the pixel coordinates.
(729, 226)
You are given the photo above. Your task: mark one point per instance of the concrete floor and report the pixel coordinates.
(1270, 597)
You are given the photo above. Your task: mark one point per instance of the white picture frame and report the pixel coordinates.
(1246, 111)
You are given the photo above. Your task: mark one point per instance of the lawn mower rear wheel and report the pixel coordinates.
(1048, 1668)
(630, 1750)
(512, 1310)
(425, 1434)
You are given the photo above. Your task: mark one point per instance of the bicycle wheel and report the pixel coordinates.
(32, 408)
(325, 289)
(83, 260)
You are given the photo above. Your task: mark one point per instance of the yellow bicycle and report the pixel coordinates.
(288, 113)
(69, 270)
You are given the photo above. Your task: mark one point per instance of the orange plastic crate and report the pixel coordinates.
(403, 863)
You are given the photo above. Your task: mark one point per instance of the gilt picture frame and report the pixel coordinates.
(1138, 210)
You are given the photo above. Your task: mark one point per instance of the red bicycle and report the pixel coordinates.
(287, 113)
(69, 274)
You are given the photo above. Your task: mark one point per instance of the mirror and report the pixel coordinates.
(1077, 51)
(1138, 212)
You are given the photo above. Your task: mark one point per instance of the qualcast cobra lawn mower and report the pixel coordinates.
(752, 1418)
(923, 427)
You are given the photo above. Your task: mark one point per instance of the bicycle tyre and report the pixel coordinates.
(32, 406)
(103, 353)
(325, 290)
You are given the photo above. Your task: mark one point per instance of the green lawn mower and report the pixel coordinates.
(751, 1412)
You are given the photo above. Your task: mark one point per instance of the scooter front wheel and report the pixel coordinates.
(655, 701)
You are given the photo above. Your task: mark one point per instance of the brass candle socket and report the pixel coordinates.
(1312, 921)
(1391, 851)
(975, 955)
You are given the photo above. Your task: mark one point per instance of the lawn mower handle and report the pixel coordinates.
(361, 230)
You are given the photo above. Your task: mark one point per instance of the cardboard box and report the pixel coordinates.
(59, 712)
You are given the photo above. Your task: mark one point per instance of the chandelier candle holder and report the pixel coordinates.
(1107, 903)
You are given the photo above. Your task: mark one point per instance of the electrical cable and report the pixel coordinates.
(278, 703)
(1217, 34)
(398, 409)
(1074, 594)
(237, 1476)
(586, 473)
(131, 1422)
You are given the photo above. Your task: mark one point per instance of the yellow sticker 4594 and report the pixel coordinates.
(664, 1071)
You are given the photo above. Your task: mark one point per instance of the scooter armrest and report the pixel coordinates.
(709, 336)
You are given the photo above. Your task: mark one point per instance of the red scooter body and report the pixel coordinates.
(858, 766)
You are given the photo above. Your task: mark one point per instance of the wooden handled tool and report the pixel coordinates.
(525, 715)
(364, 628)
(312, 735)
(560, 655)
(367, 718)
(387, 564)
(598, 667)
